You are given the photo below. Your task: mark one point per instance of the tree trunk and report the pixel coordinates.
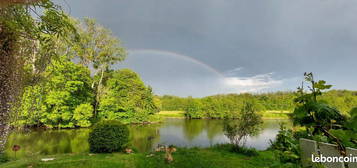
(7, 77)
(98, 93)
(34, 56)
(10, 70)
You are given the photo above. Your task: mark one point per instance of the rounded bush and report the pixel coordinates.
(108, 136)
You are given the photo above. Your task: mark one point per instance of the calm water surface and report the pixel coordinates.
(178, 132)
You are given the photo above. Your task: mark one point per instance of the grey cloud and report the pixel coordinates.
(284, 37)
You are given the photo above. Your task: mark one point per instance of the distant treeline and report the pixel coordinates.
(229, 105)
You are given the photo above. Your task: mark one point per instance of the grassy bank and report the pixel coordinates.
(276, 114)
(172, 114)
(266, 114)
(183, 158)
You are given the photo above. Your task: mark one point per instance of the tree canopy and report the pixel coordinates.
(126, 98)
(58, 101)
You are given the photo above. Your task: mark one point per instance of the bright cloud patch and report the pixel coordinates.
(251, 84)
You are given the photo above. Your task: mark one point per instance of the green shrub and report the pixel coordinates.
(3, 158)
(248, 124)
(286, 146)
(108, 136)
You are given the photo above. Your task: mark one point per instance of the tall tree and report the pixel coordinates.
(98, 48)
(21, 25)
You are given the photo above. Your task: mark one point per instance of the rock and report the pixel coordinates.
(47, 159)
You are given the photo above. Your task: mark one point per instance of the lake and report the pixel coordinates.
(173, 131)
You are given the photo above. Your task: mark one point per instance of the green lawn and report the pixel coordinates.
(266, 114)
(183, 158)
(276, 114)
(172, 114)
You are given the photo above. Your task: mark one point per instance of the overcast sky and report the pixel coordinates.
(204, 47)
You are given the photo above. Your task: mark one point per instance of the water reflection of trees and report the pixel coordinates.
(193, 128)
(214, 128)
(49, 142)
(143, 137)
(211, 129)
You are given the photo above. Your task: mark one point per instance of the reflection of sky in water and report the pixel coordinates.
(172, 133)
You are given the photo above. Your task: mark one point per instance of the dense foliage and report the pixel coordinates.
(57, 101)
(65, 94)
(286, 145)
(126, 98)
(227, 106)
(108, 136)
(320, 121)
(65, 99)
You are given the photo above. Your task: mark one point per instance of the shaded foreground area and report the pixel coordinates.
(183, 158)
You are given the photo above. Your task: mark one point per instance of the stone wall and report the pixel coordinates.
(311, 147)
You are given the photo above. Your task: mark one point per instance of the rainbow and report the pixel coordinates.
(177, 56)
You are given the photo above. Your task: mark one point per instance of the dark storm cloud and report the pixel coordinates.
(260, 37)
